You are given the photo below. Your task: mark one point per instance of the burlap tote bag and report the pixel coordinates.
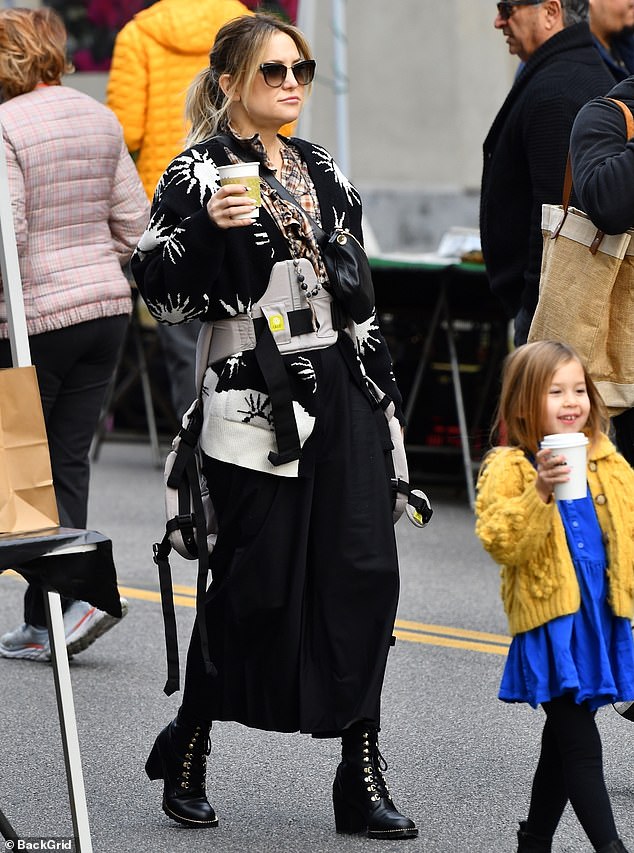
(586, 295)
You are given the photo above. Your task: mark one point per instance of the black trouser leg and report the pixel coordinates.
(624, 434)
(571, 768)
(74, 368)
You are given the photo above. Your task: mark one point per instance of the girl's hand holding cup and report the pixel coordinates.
(551, 470)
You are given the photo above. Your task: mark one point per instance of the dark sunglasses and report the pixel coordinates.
(505, 8)
(274, 73)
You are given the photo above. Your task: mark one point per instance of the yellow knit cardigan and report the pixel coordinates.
(527, 538)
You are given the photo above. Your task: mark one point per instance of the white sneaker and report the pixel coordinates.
(84, 623)
(26, 642)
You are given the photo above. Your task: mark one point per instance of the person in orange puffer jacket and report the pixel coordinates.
(156, 56)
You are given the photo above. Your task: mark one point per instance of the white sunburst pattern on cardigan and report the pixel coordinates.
(174, 311)
(154, 235)
(324, 158)
(305, 371)
(368, 335)
(197, 170)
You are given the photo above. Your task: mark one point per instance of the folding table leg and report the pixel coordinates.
(146, 388)
(412, 397)
(6, 830)
(462, 419)
(68, 723)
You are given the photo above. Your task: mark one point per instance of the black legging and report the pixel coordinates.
(571, 768)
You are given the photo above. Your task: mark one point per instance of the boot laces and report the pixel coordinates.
(194, 765)
(375, 764)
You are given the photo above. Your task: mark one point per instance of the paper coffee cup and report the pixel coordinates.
(573, 446)
(247, 174)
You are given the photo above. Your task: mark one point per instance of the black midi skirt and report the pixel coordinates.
(302, 604)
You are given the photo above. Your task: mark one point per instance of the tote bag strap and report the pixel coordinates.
(627, 115)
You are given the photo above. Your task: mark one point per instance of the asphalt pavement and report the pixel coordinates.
(460, 761)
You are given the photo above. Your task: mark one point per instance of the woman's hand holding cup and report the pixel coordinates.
(238, 200)
(231, 207)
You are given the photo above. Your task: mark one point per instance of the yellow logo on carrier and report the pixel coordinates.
(276, 323)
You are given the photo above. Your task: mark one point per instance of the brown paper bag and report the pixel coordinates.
(27, 497)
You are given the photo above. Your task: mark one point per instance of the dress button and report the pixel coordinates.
(592, 466)
(580, 545)
(575, 524)
(601, 499)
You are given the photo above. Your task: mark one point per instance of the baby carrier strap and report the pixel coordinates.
(184, 530)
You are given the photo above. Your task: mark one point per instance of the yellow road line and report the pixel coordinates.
(456, 632)
(404, 629)
(449, 642)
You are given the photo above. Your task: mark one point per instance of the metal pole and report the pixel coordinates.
(68, 723)
(21, 357)
(340, 68)
(10, 268)
(306, 14)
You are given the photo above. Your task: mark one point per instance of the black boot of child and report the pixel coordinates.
(179, 757)
(529, 843)
(360, 796)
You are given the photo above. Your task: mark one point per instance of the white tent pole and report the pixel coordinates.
(306, 22)
(10, 268)
(340, 66)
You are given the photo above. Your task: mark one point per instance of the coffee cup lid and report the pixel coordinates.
(565, 439)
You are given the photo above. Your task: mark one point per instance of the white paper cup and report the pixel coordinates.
(247, 174)
(573, 446)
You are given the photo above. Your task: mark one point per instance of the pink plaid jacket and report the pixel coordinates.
(79, 207)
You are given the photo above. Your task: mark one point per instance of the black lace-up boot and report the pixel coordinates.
(529, 843)
(179, 757)
(360, 796)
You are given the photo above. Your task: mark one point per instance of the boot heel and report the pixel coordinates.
(348, 820)
(154, 765)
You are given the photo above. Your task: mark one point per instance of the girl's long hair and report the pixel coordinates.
(237, 51)
(526, 378)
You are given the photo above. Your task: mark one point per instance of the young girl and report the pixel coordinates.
(567, 582)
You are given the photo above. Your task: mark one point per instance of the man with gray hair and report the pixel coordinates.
(526, 148)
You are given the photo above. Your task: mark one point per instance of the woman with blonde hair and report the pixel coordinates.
(300, 611)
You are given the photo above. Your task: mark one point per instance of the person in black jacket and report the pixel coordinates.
(602, 162)
(300, 612)
(611, 22)
(526, 148)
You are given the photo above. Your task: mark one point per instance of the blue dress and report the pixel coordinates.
(589, 653)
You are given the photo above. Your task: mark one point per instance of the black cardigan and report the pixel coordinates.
(603, 162)
(187, 268)
(525, 156)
